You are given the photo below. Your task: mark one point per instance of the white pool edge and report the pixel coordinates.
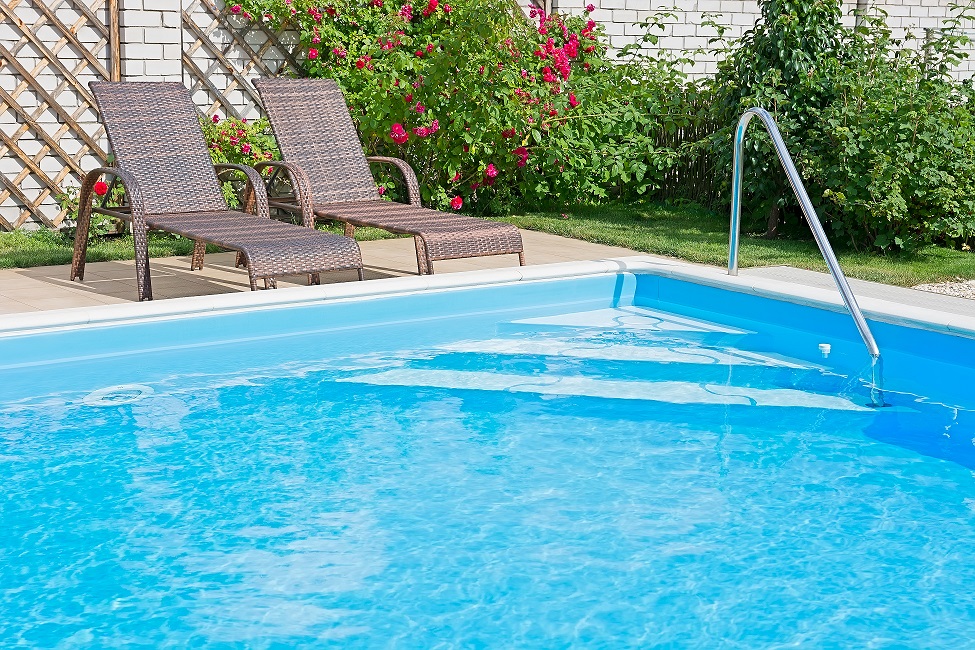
(174, 308)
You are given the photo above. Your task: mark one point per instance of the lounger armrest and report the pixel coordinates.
(299, 183)
(256, 199)
(133, 193)
(412, 185)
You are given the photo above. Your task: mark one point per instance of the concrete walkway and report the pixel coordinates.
(43, 288)
(47, 287)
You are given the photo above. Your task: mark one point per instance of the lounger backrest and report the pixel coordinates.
(314, 130)
(155, 135)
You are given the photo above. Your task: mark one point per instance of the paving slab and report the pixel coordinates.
(48, 287)
(890, 293)
(44, 288)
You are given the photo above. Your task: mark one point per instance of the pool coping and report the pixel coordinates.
(175, 308)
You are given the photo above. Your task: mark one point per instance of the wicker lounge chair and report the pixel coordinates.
(315, 132)
(171, 184)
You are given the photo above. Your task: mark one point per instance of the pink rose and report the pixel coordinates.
(398, 134)
(457, 203)
(491, 171)
(312, 54)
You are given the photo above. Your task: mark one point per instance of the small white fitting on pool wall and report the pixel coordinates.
(825, 348)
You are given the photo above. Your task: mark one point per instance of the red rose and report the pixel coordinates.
(457, 203)
(398, 134)
(312, 54)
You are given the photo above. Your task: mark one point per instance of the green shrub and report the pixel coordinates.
(238, 142)
(485, 105)
(894, 151)
(882, 134)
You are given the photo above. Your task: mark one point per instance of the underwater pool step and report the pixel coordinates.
(660, 353)
(631, 318)
(675, 392)
(813, 379)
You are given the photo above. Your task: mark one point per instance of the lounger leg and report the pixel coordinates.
(314, 278)
(423, 266)
(361, 276)
(350, 231)
(241, 260)
(141, 237)
(270, 283)
(199, 250)
(80, 245)
(521, 259)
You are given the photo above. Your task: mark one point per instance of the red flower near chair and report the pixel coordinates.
(457, 202)
(100, 188)
(399, 134)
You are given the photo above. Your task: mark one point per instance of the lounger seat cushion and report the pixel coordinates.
(272, 247)
(446, 236)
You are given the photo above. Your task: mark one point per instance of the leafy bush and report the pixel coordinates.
(238, 142)
(100, 224)
(882, 134)
(894, 151)
(485, 105)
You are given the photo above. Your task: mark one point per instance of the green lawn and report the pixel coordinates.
(45, 248)
(688, 233)
(699, 235)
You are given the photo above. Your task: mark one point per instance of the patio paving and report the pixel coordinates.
(47, 287)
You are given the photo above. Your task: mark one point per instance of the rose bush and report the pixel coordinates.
(485, 105)
(238, 142)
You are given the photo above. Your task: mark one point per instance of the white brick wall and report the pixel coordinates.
(70, 99)
(154, 40)
(688, 33)
(151, 40)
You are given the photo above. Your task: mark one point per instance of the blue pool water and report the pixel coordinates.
(598, 463)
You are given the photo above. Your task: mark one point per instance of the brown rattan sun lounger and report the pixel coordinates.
(171, 184)
(315, 132)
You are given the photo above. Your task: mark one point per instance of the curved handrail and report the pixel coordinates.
(814, 224)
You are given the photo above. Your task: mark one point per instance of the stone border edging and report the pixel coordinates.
(174, 308)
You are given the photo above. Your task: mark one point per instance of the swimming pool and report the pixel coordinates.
(615, 455)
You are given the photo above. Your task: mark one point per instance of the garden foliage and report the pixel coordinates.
(483, 104)
(493, 110)
(882, 133)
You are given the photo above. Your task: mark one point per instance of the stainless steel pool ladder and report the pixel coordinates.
(876, 388)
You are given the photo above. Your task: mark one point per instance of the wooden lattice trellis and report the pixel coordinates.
(57, 46)
(219, 57)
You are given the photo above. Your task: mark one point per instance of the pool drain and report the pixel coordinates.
(117, 395)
